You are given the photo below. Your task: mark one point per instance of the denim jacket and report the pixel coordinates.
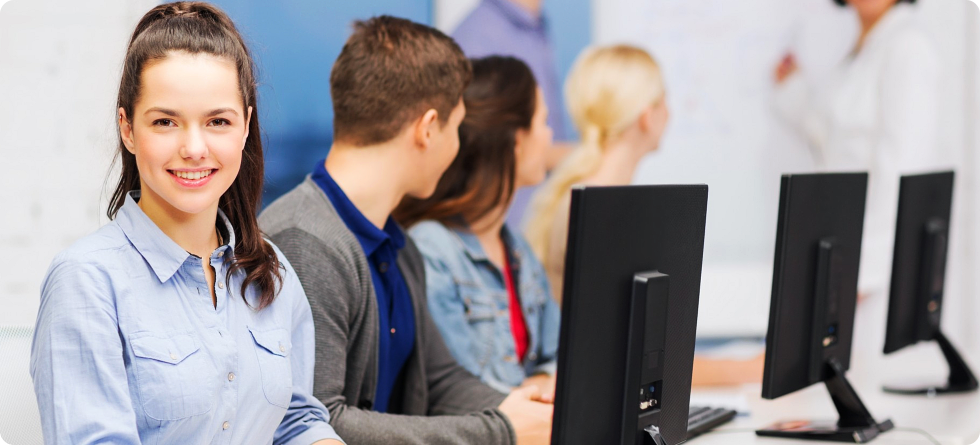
(468, 299)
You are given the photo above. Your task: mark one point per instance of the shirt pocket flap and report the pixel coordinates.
(171, 350)
(479, 305)
(276, 341)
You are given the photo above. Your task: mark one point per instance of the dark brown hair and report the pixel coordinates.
(195, 27)
(844, 2)
(389, 73)
(500, 100)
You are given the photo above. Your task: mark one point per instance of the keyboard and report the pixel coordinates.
(702, 419)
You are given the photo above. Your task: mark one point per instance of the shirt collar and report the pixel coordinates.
(517, 15)
(162, 254)
(472, 245)
(368, 235)
(896, 17)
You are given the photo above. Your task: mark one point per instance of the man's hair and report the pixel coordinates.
(500, 101)
(388, 74)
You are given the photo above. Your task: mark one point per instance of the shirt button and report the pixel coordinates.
(225, 425)
(173, 356)
(282, 348)
(383, 267)
(231, 376)
(392, 330)
(221, 254)
(221, 285)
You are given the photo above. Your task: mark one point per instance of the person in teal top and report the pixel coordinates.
(488, 294)
(177, 323)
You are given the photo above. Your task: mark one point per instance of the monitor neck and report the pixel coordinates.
(931, 277)
(960, 376)
(853, 413)
(825, 320)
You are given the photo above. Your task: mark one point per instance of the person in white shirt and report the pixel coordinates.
(878, 112)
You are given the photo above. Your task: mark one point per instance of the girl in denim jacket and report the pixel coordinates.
(487, 292)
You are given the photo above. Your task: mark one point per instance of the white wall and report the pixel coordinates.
(718, 58)
(449, 13)
(972, 161)
(59, 72)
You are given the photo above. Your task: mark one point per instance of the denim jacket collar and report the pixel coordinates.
(475, 251)
(163, 255)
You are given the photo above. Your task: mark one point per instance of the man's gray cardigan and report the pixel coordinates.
(442, 403)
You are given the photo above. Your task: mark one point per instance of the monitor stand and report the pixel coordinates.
(645, 355)
(960, 379)
(856, 424)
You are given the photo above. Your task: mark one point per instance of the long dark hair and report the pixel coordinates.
(500, 100)
(195, 28)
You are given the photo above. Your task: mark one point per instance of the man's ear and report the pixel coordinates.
(426, 127)
(126, 131)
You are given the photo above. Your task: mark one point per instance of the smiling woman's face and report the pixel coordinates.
(188, 131)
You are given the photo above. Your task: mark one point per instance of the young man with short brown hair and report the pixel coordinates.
(397, 91)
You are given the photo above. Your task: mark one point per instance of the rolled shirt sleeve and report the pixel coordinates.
(307, 419)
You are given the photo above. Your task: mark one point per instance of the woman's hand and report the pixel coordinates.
(530, 418)
(787, 67)
(545, 384)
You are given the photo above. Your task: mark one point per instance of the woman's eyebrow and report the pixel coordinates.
(173, 113)
(218, 111)
(166, 111)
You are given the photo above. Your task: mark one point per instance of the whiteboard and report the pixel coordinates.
(718, 58)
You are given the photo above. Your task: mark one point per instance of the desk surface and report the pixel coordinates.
(951, 419)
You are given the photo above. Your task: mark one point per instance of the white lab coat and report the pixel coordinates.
(877, 112)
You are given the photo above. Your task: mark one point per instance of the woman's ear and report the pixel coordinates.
(248, 121)
(520, 139)
(126, 131)
(645, 121)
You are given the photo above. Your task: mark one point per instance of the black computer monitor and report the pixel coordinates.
(814, 293)
(629, 314)
(918, 276)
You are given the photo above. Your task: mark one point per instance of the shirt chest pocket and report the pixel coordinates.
(272, 349)
(174, 377)
(479, 304)
(484, 319)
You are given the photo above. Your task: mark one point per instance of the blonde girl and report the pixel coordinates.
(615, 95)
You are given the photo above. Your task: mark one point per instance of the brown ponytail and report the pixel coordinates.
(196, 27)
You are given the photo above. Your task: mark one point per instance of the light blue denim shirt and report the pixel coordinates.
(469, 302)
(129, 348)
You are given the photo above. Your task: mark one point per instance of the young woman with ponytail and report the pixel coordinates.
(177, 322)
(615, 95)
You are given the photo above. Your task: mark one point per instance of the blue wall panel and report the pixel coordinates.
(295, 43)
(570, 23)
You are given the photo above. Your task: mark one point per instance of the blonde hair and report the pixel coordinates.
(606, 91)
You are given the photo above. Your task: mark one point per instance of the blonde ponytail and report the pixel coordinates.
(606, 91)
(580, 164)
